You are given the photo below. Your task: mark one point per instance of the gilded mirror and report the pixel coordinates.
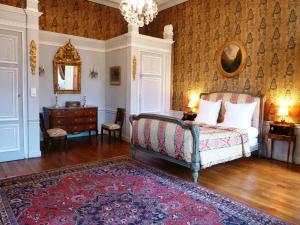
(67, 70)
(231, 58)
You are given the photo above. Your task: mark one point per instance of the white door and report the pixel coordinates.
(11, 114)
(151, 83)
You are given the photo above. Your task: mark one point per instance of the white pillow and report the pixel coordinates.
(239, 115)
(208, 112)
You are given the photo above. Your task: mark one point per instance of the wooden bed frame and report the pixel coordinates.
(195, 163)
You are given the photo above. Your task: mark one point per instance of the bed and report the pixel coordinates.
(197, 145)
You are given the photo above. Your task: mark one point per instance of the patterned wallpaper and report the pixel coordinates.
(16, 3)
(269, 30)
(78, 17)
(81, 18)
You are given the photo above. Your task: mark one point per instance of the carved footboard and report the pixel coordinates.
(167, 138)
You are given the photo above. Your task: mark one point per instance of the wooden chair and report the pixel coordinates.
(114, 127)
(53, 134)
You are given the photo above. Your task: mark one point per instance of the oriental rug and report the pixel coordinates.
(118, 191)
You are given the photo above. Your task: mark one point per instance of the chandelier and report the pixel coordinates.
(139, 12)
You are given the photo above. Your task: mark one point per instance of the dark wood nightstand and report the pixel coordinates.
(189, 116)
(282, 132)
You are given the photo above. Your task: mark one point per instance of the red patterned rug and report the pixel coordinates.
(119, 191)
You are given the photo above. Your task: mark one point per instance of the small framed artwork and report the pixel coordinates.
(115, 75)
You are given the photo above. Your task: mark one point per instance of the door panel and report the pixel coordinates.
(11, 111)
(151, 96)
(151, 83)
(9, 89)
(9, 48)
(10, 140)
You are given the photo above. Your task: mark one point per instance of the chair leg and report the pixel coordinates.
(65, 140)
(120, 133)
(101, 134)
(109, 136)
(114, 135)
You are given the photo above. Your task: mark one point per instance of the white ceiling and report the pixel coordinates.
(162, 4)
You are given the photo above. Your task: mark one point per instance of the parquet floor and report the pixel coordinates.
(269, 186)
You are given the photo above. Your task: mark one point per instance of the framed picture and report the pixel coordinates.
(115, 75)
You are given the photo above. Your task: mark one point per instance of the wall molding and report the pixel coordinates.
(12, 16)
(161, 6)
(59, 39)
(89, 44)
(169, 4)
(16, 17)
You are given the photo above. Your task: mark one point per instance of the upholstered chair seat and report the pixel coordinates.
(56, 132)
(52, 134)
(111, 126)
(114, 127)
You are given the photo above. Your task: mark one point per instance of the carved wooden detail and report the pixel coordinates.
(32, 53)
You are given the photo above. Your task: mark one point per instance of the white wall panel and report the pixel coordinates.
(8, 93)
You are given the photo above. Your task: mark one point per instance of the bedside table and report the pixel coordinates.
(282, 132)
(189, 116)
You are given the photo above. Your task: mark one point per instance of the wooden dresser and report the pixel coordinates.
(73, 120)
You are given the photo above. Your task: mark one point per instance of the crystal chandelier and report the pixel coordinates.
(139, 12)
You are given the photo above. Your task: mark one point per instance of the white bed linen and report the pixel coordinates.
(252, 131)
(253, 142)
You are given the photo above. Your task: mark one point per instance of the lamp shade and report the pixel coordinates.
(192, 103)
(283, 111)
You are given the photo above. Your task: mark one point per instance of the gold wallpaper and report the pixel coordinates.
(16, 3)
(81, 18)
(269, 30)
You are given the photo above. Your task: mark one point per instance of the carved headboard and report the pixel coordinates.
(240, 98)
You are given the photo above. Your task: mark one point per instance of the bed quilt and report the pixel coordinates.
(217, 144)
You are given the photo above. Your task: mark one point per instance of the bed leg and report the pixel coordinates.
(133, 153)
(195, 176)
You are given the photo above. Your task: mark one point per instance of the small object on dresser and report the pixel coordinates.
(72, 104)
(56, 100)
(84, 102)
(189, 116)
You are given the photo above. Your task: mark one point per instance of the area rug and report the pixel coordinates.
(119, 191)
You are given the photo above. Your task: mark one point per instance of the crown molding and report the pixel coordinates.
(161, 6)
(107, 3)
(169, 3)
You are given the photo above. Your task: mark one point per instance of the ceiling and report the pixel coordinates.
(162, 4)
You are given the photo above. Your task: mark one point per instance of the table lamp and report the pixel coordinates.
(283, 113)
(192, 105)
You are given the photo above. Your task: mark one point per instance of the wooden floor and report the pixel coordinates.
(270, 186)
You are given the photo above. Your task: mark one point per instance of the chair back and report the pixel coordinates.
(120, 116)
(42, 125)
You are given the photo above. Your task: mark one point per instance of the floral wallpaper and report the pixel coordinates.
(16, 3)
(269, 30)
(81, 18)
(78, 17)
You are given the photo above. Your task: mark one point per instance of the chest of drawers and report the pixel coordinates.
(72, 120)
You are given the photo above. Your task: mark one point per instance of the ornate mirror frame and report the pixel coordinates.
(242, 63)
(66, 55)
